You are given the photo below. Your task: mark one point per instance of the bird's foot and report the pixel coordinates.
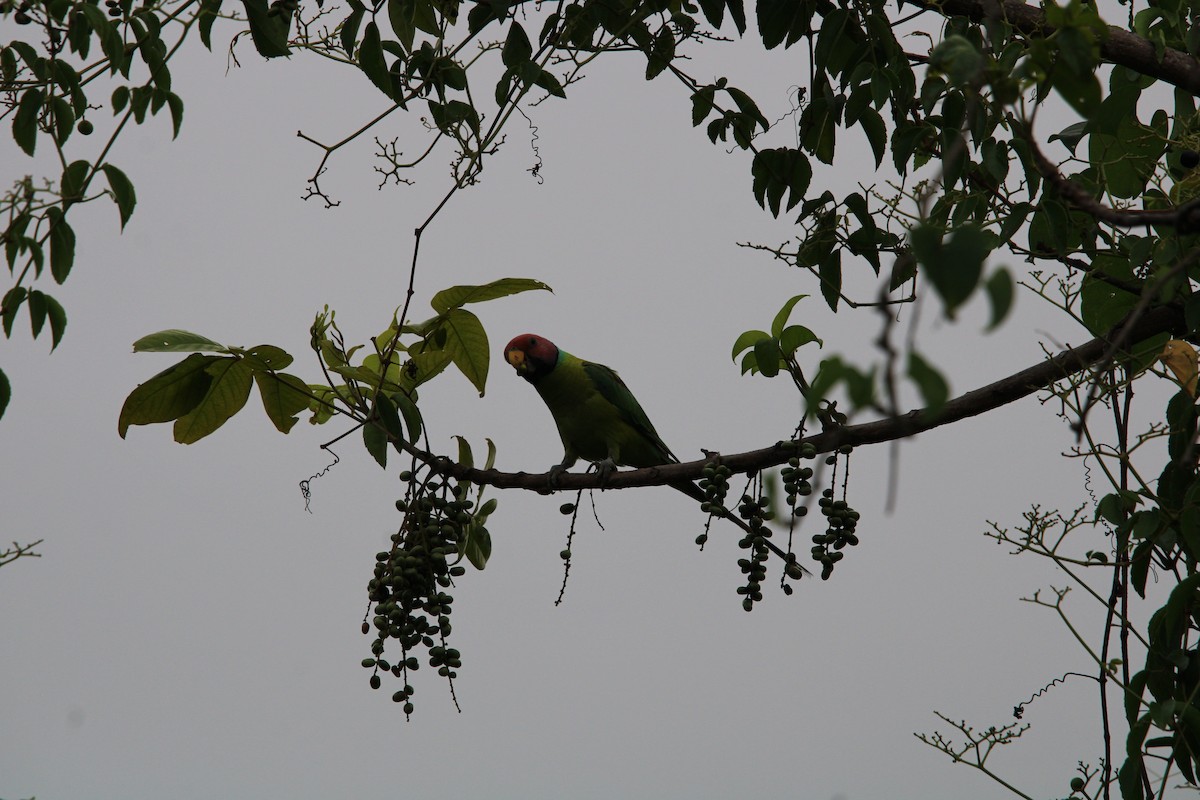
(605, 469)
(556, 473)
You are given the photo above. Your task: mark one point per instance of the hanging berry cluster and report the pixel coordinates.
(408, 588)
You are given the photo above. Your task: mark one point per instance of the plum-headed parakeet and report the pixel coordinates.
(598, 418)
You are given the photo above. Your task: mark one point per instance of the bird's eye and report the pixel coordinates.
(532, 342)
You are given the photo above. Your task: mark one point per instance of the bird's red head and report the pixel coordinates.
(531, 356)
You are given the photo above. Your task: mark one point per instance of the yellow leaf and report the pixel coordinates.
(1180, 357)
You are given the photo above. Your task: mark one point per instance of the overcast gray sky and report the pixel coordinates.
(192, 632)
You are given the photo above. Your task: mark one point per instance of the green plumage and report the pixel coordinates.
(598, 417)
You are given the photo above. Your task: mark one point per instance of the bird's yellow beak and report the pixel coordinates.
(517, 359)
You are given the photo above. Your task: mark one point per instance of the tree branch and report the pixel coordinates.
(1184, 218)
(1121, 47)
(981, 400)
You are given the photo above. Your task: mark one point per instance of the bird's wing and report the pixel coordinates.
(614, 390)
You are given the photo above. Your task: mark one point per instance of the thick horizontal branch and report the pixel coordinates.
(1121, 47)
(987, 398)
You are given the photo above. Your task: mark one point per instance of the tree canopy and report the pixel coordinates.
(997, 145)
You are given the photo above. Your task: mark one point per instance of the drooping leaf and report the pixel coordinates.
(62, 245)
(467, 344)
(371, 60)
(1000, 291)
(58, 320)
(747, 340)
(793, 337)
(386, 410)
(412, 415)
(25, 121)
(226, 395)
(122, 192)
(283, 396)
(168, 395)
(36, 302)
(5, 392)
(953, 266)
(268, 31)
(830, 272)
(375, 440)
(208, 15)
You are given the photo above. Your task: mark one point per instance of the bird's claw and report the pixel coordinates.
(605, 469)
(556, 473)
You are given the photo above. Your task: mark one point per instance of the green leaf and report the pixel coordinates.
(777, 172)
(661, 53)
(818, 124)
(175, 104)
(465, 456)
(930, 383)
(467, 345)
(62, 245)
(714, 11)
(747, 340)
(386, 410)
(268, 31)
(350, 27)
(25, 121)
(517, 50)
(782, 317)
(64, 119)
(226, 395)
(58, 320)
(5, 392)
(120, 99)
(176, 341)
(457, 296)
(283, 396)
(263, 356)
(954, 266)
(782, 21)
(400, 14)
(830, 272)
(14, 298)
(1000, 291)
(548, 81)
(702, 103)
(1071, 135)
(958, 59)
(412, 415)
(477, 546)
(1102, 305)
(375, 440)
(208, 15)
(794, 337)
(371, 61)
(168, 395)
(768, 356)
(122, 192)
(37, 311)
